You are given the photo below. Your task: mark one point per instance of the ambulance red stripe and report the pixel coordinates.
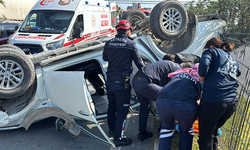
(88, 37)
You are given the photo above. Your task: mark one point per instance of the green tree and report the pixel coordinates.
(236, 14)
(202, 7)
(119, 11)
(2, 2)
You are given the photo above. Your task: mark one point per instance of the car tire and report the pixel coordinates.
(19, 50)
(59, 124)
(166, 26)
(134, 16)
(17, 73)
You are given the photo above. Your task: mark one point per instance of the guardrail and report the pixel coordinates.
(236, 131)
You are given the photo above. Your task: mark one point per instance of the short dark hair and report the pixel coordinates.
(170, 57)
(122, 31)
(186, 65)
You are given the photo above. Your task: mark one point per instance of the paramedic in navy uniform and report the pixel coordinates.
(219, 71)
(178, 101)
(120, 52)
(147, 83)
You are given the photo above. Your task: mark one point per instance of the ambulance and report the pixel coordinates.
(53, 24)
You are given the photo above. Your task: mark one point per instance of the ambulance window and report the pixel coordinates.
(114, 19)
(79, 22)
(32, 21)
(47, 21)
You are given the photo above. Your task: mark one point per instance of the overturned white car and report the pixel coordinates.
(59, 83)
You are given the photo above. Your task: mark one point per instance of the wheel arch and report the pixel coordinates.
(48, 112)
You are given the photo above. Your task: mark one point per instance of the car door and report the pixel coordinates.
(68, 91)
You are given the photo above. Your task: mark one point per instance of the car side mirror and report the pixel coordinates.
(77, 33)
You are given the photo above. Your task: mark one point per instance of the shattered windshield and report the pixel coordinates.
(47, 21)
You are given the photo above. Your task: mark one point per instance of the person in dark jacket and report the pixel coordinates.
(218, 71)
(147, 83)
(182, 57)
(178, 101)
(120, 52)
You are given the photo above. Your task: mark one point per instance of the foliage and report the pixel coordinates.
(236, 129)
(2, 3)
(236, 14)
(202, 7)
(119, 11)
(4, 17)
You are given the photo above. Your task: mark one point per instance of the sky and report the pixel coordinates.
(124, 5)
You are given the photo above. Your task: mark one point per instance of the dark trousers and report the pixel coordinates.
(212, 116)
(185, 113)
(145, 92)
(119, 100)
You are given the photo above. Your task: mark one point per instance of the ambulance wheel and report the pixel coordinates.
(16, 73)
(19, 50)
(168, 20)
(134, 16)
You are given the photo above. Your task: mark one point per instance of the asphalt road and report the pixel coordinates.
(44, 136)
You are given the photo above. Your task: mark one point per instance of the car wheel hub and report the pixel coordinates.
(11, 74)
(171, 20)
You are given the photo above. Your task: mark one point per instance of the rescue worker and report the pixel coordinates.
(147, 83)
(178, 101)
(218, 71)
(120, 52)
(182, 57)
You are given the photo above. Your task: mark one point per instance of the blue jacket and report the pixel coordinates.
(119, 52)
(220, 70)
(182, 87)
(157, 72)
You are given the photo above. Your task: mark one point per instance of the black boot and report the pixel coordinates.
(111, 132)
(144, 135)
(122, 142)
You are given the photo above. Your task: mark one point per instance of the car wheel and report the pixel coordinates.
(16, 73)
(168, 20)
(59, 124)
(134, 16)
(11, 47)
